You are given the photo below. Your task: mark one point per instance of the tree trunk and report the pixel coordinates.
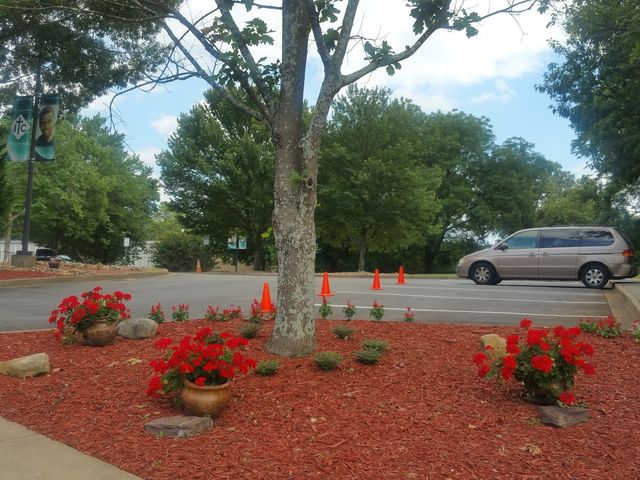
(258, 255)
(294, 200)
(7, 238)
(363, 250)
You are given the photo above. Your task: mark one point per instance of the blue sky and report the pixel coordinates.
(491, 75)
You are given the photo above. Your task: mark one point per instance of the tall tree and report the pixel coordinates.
(459, 145)
(373, 193)
(93, 195)
(233, 60)
(82, 53)
(598, 85)
(218, 170)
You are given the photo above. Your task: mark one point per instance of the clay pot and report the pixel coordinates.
(98, 334)
(205, 401)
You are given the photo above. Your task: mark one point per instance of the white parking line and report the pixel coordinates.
(499, 289)
(471, 298)
(480, 312)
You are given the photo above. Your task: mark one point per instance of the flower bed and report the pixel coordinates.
(421, 412)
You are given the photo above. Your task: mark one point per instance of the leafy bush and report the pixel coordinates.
(249, 330)
(180, 313)
(377, 311)
(375, 344)
(368, 356)
(342, 331)
(350, 310)
(267, 368)
(327, 360)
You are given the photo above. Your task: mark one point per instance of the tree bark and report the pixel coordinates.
(363, 250)
(294, 204)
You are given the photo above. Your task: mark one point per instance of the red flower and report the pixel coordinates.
(568, 398)
(509, 361)
(544, 363)
(155, 384)
(479, 358)
(525, 323)
(588, 369)
(506, 373)
(483, 370)
(200, 381)
(163, 343)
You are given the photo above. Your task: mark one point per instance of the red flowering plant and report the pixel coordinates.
(78, 314)
(206, 358)
(546, 362)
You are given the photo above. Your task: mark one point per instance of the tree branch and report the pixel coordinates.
(345, 31)
(323, 51)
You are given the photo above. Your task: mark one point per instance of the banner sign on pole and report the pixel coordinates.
(46, 130)
(19, 140)
(241, 243)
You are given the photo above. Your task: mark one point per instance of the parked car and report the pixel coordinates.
(64, 258)
(45, 254)
(593, 255)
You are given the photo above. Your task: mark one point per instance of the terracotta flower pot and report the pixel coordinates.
(98, 334)
(205, 401)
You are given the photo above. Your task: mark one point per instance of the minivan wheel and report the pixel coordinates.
(483, 274)
(594, 275)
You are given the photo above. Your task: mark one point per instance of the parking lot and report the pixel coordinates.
(432, 300)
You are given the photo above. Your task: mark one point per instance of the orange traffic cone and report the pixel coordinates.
(376, 280)
(265, 306)
(401, 276)
(198, 267)
(326, 290)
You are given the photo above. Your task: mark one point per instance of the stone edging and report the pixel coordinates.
(19, 282)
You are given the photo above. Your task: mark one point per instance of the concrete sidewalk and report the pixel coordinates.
(25, 455)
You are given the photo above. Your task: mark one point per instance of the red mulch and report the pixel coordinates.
(421, 413)
(7, 274)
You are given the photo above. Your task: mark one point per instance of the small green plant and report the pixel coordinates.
(342, 331)
(377, 311)
(375, 344)
(213, 314)
(157, 314)
(409, 315)
(368, 356)
(325, 309)
(635, 330)
(267, 368)
(327, 360)
(607, 327)
(350, 310)
(249, 330)
(180, 313)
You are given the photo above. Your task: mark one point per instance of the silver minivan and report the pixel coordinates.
(591, 254)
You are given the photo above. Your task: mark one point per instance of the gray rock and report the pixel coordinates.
(179, 426)
(497, 343)
(29, 366)
(137, 328)
(562, 417)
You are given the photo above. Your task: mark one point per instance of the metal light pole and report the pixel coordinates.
(32, 161)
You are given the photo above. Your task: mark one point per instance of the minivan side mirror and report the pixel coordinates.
(502, 246)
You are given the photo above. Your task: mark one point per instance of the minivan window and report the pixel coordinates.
(522, 240)
(558, 238)
(596, 238)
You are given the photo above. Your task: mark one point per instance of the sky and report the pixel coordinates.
(492, 74)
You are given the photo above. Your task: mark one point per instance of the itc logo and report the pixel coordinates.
(19, 127)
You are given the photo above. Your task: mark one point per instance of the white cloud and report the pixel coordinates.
(503, 93)
(164, 124)
(148, 156)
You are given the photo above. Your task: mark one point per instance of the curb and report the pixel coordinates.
(21, 282)
(624, 304)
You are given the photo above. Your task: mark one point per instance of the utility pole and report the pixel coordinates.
(32, 161)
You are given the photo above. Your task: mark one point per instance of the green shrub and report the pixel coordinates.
(342, 331)
(368, 356)
(327, 360)
(607, 327)
(267, 368)
(375, 344)
(325, 309)
(249, 330)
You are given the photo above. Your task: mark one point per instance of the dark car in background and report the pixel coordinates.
(593, 255)
(45, 254)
